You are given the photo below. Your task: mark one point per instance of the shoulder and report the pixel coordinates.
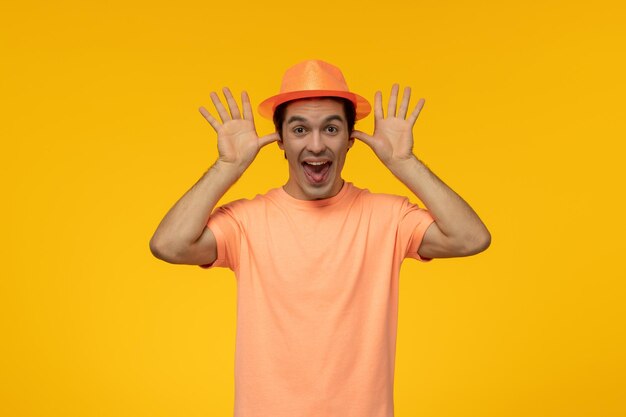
(246, 203)
(381, 200)
(243, 208)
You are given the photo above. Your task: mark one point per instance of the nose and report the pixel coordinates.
(315, 144)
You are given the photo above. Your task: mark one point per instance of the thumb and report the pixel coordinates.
(267, 139)
(363, 137)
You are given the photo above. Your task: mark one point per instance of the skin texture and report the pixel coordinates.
(315, 131)
(182, 236)
(457, 230)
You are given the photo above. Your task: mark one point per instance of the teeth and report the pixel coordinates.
(316, 163)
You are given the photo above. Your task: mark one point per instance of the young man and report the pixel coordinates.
(317, 261)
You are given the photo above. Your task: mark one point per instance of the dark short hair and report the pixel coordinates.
(348, 108)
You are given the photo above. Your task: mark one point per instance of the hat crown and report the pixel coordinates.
(313, 75)
(310, 79)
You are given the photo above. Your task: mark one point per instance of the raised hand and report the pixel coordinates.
(392, 141)
(237, 139)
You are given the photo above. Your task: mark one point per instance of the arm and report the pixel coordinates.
(182, 236)
(457, 230)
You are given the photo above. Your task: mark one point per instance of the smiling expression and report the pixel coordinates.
(315, 139)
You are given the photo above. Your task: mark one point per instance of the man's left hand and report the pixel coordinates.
(392, 141)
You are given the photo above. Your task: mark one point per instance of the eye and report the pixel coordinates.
(299, 130)
(332, 129)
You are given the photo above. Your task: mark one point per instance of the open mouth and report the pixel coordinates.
(316, 171)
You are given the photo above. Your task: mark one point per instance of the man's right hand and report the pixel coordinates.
(182, 237)
(237, 140)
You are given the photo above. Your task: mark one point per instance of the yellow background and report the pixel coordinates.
(100, 132)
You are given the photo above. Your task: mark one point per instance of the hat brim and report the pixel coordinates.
(267, 107)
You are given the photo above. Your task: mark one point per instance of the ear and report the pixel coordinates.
(350, 142)
(280, 143)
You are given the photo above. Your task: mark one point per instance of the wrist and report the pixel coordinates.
(404, 166)
(230, 169)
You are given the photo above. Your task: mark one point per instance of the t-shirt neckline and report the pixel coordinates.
(286, 197)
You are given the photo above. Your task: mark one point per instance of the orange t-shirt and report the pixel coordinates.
(317, 299)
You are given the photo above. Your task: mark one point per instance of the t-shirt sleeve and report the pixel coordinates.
(413, 224)
(227, 229)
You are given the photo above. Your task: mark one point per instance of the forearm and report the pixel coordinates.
(184, 223)
(454, 217)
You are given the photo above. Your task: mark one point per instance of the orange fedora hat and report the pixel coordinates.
(313, 78)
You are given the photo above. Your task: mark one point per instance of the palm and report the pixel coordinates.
(392, 140)
(237, 140)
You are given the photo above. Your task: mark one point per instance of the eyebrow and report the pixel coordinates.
(326, 120)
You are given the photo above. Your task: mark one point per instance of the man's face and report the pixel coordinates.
(315, 139)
